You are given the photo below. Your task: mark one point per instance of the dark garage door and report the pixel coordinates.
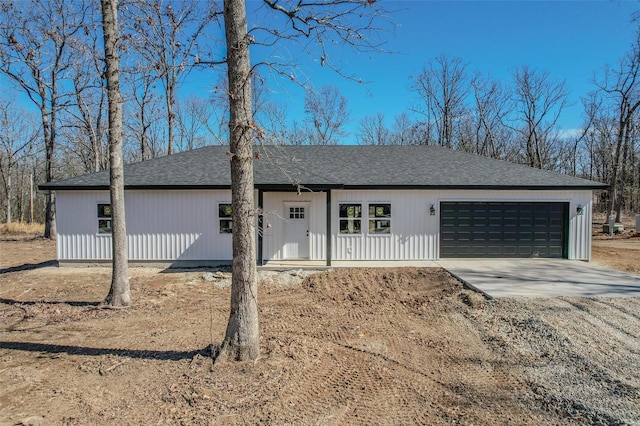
(474, 229)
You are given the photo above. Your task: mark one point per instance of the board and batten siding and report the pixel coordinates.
(415, 233)
(162, 225)
(171, 225)
(274, 223)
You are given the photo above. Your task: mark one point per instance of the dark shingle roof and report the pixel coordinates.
(333, 166)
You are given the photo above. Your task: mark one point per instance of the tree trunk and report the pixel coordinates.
(170, 115)
(30, 197)
(119, 294)
(20, 195)
(622, 195)
(143, 137)
(241, 341)
(8, 194)
(91, 132)
(50, 211)
(50, 216)
(615, 164)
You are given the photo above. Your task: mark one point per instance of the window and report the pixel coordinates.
(350, 218)
(379, 218)
(224, 214)
(296, 212)
(104, 218)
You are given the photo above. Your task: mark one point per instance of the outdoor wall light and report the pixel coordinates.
(580, 211)
(432, 210)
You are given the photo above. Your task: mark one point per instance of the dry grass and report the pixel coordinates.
(22, 228)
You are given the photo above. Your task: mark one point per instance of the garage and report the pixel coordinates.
(363, 205)
(503, 229)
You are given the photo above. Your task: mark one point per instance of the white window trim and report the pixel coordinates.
(390, 219)
(361, 218)
(98, 233)
(223, 218)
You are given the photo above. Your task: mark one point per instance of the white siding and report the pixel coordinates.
(415, 234)
(275, 218)
(161, 226)
(183, 225)
(77, 226)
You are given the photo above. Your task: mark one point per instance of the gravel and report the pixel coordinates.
(580, 356)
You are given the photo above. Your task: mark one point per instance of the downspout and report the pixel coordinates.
(260, 226)
(329, 235)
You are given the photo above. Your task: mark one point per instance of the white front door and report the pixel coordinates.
(296, 245)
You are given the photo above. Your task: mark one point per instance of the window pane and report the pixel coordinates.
(226, 226)
(296, 212)
(378, 226)
(350, 226)
(104, 226)
(379, 210)
(350, 210)
(104, 210)
(224, 210)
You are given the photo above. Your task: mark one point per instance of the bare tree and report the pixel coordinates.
(372, 131)
(403, 131)
(241, 341)
(87, 104)
(571, 151)
(622, 85)
(328, 114)
(314, 21)
(298, 133)
(492, 105)
(169, 36)
(539, 101)
(144, 110)
(600, 141)
(274, 122)
(443, 87)
(217, 123)
(18, 135)
(119, 293)
(36, 39)
(193, 117)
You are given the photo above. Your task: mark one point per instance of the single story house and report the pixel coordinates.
(330, 204)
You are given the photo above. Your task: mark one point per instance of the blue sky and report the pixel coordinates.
(571, 40)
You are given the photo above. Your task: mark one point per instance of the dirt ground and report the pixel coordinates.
(620, 251)
(357, 346)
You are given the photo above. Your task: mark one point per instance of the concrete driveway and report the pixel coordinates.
(542, 278)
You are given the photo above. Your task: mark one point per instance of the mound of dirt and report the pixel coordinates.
(414, 287)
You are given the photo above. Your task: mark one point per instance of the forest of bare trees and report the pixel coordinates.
(53, 103)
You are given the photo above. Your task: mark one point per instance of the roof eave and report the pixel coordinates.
(45, 187)
(323, 187)
(485, 187)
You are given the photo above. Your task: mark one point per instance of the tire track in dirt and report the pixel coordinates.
(352, 386)
(365, 350)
